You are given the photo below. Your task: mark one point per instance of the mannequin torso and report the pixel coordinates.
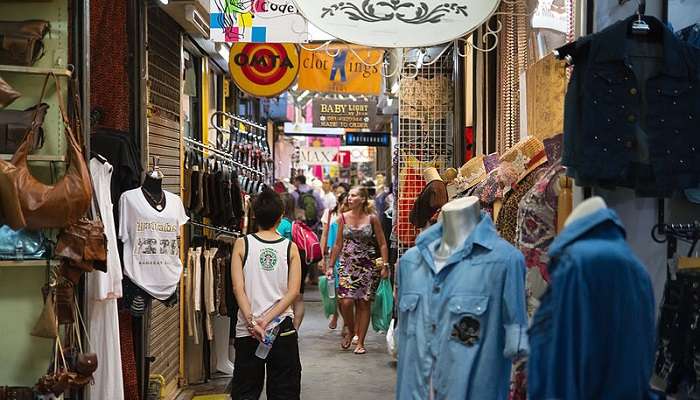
(459, 218)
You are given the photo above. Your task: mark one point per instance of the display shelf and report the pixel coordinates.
(36, 158)
(27, 264)
(67, 72)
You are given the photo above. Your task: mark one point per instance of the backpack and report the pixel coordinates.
(307, 242)
(307, 203)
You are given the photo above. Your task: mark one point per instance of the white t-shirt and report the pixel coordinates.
(266, 275)
(329, 200)
(151, 246)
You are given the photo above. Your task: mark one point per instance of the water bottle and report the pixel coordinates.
(331, 288)
(264, 347)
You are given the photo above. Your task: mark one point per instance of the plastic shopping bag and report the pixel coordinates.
(391, 340)
(382, 306)
(329, 305)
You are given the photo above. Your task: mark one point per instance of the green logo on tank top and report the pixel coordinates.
(268, 259)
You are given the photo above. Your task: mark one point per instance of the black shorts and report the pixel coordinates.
(282, 364)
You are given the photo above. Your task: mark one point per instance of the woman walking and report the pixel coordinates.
(359, 236)
(328, 238)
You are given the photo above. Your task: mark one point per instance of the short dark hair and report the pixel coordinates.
(301, 179)
(268, 208)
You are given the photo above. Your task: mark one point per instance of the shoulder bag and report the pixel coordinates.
(63, 203)
(22, 244)
(7, 94)
(14, 125)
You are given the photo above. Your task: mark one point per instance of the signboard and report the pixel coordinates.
(353, 70)
(264, 70)
(373, 139)
(397, 23)
(343, 158)
(360, 154)
(306, 129)
(346, 114)
(318, 155)
(257, 21)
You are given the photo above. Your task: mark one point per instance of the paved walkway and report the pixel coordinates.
(328, 371)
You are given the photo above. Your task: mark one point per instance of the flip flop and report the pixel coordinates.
(360, 351)
(355, 339)
(332, 325)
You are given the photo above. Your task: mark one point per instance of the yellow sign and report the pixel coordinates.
(264, 69)
(353, 70)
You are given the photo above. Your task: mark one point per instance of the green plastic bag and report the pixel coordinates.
(383, 306)
(329, 305)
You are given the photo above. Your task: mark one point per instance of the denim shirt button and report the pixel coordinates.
(682, 161)
(595, 101)
(605, 149)
(619, 140)
(668, 151)
(690, 117)
(610, 91)
(658, 91)
(675, 91)
(633, 91)
(662, 120)
(675, 102)
(609, 120)
(677, 131)
(595, 137)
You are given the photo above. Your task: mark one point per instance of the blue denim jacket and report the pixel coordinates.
(633, 121)
(481, 288)
(593, 335)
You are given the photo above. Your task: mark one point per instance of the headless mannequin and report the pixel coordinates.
(459, 218)
(585, 209)
(152, 188)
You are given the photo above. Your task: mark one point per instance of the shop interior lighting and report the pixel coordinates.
(164, 2)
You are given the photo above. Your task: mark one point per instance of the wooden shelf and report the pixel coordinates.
(68, 72)
(26, 264)
(36, 158)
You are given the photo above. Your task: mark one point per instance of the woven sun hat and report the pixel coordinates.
(431, 174)
(472, 173)
(525, 156)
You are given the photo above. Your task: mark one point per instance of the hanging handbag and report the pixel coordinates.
(21, 42)
(85, 364)
(65, 300)
(14, 125)
(22, 244)
(47, 324)
(16, 393)
(63, 203)
(7, 94)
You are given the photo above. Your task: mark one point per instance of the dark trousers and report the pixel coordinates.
(282, 363)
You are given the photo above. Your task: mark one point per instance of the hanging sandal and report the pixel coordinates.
(360, 351)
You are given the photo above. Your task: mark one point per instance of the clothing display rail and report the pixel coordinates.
(222, 155)
(216, 228)
(238, 119)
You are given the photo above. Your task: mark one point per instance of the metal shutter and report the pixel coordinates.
(164, 71)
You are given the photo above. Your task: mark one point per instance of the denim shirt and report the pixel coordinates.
(593, 335)
(633, 121)
(479, 295)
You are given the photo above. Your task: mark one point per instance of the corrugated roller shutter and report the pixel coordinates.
(164, 42)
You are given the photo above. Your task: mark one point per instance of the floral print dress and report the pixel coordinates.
(358, 277)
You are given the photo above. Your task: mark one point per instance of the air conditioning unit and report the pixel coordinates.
(192, 15)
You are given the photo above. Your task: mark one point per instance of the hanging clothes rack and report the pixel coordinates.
(238, 119)
(199, 146)
(216, 229)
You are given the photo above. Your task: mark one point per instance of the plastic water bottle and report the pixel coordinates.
(331, 288)
(264, 347)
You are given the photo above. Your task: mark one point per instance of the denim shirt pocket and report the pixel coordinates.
(467, 319)
(408, 308)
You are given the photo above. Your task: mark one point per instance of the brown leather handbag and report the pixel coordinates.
(63, 203)
(21, 42)
(14, 125)
(7, 94)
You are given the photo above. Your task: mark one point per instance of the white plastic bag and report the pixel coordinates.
(391, 340)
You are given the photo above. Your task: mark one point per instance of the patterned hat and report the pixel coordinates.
(525, 156)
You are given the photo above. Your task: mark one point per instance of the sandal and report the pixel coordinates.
(355, 339)
(331, 323)
(346, 342)
(360, 351)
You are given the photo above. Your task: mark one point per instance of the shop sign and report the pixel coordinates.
(346, 114)
(397, 23)
(257, 21)
(373, 139)
(342, 69)
(318, 155)
(307, 129)
(264, 70)
(343, 158)
(360, 154)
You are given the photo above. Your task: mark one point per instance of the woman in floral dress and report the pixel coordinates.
(360, 235)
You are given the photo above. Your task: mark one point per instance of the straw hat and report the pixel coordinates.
(431, 174)
(525, 156)
(472, 173)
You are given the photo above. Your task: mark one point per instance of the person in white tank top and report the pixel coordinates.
(266, 274)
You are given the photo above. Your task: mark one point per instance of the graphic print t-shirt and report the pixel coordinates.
(151, 246)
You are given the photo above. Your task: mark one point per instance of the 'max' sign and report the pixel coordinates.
(397, 23)
(318, 155)
(346, 114)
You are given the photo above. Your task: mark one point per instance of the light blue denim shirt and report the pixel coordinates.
(478, 295)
